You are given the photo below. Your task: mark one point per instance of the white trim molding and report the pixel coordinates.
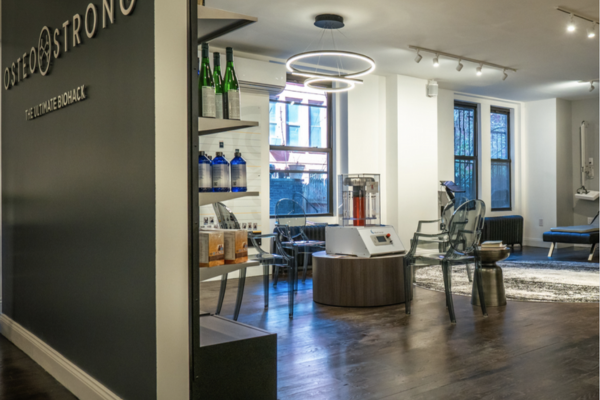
(68, 374)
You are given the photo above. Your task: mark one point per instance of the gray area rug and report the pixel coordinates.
(545, 281)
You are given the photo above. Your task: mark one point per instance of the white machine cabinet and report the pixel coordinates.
(363, 241)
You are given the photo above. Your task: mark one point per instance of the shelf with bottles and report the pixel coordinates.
(209, 126)
(205, 198)
(213, 22)
(218, 93)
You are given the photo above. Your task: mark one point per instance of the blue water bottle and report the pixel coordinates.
(238, 173)
(204, 173)
(220, 173)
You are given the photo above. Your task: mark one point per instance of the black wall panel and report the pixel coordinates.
(78, 194)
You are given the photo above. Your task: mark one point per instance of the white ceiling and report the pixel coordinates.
(528, 35)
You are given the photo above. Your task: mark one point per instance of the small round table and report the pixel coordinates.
(492, 278)
(356, 281)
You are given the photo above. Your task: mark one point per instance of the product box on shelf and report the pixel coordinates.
(236, 246)
(212, 248)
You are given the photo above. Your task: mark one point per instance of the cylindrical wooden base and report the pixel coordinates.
(358, 282)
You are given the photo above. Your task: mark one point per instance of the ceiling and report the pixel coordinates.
(528, 35)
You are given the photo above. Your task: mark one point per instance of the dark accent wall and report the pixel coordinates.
(78, 194)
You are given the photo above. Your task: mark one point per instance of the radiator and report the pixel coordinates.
(509, 229)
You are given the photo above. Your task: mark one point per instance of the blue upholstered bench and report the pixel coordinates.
(582, 234)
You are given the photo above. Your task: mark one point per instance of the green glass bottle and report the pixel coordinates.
(218, 79)
(206, 87)
(231, 89)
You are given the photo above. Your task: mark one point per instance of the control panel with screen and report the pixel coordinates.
(381, 240)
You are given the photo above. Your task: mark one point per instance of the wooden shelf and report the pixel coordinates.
(209, 273)
(205, 198)
(213, 23)
(208, 126)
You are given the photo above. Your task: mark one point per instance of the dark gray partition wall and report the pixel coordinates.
(78, 192)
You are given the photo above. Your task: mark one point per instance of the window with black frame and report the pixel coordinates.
(300, 149)
(465, 148)
(501, 168)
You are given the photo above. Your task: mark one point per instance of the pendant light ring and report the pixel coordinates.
(350, 84)
(338, 53)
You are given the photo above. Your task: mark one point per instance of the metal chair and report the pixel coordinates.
(462, 237)
(290, 217)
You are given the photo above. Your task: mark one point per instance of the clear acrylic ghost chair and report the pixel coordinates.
(290, 221)
(227, 220)
(440, 242)
(280, 260)
(462, 236)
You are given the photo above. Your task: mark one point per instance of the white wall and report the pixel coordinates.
(584, 110)
(445, 128)
(415, 154)
(366, 141)
(564, 164)
(172, 302)
(538, 146)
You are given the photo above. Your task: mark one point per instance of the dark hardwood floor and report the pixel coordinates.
(521, 351)
(22, 379)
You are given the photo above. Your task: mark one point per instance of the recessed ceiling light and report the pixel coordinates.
(436, 61)
(418, 58)
(478, 69)
(571, 25)
(459, 66)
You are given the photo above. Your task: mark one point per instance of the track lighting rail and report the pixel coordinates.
(461, 58)
(577, 14)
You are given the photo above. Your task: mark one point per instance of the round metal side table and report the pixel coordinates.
(492, 278)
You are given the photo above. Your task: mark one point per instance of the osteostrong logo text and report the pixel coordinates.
(52, 42)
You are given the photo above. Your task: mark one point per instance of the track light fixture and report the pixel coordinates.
(591, 82)
(504, 75)
(571, 25)
(418, 58)
(591, 32)
(459, 66)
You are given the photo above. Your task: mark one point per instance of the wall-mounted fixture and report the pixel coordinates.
(316, 74)
(432, 88)
(459, 67)
(574, 16)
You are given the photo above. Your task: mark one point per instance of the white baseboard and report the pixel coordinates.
(68, 374)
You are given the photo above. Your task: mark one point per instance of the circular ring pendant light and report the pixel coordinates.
(331, 22)
(349, 84)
